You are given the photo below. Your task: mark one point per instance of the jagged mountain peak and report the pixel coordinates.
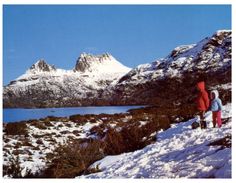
(41, 66)
(181, 49)
(224, 32)
(193, 49)
(90, 57)
(99, 63)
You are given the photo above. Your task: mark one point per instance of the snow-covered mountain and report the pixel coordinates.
(177, 74)
(102, 80)
(44, 85)
(209, 55)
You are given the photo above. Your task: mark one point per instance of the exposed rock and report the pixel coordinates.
(85, 61)
(41, 66)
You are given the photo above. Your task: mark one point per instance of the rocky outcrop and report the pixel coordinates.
(41, 66)
(85, 61)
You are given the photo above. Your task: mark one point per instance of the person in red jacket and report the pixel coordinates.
(202, 100)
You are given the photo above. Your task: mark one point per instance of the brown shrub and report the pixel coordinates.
(13, 168)
(17, 145)
(73, 159)
(225, 142)
(18, 128)
(114, 142)
(51, 140)
(65, 132)
(48, 124)
(39, 125)
(81, 119)
(132, 136)
(68, 125)
(17, 152)
(58, 135)
(76, 132)
(26, 142)
(39, 141)
(36, 148)
(5, 139)
(138, 137)
(38, 136)
(99, 130)
(54, 118)
(60, 126)
(225, 95)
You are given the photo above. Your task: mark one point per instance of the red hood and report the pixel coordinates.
(201, 85)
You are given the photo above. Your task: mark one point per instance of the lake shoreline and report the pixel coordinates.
(11, 115)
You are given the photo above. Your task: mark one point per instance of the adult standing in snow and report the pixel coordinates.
(202, 101)
(216, 107)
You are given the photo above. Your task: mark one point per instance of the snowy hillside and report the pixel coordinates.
(178, 152)
(208, 55)
(177, 74)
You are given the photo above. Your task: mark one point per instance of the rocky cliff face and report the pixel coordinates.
(167, 81)
(98, 63)
(41, 66)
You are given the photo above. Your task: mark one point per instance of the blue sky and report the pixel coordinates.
(134, 34)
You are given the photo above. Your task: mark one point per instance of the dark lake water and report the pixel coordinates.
(14, 115)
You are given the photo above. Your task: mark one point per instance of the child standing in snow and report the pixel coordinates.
(202, 101)
(216, 107)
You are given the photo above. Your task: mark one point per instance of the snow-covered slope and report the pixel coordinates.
(209, 55)
(179, 152)
(35, 159)
(44, 85)
(177, 74)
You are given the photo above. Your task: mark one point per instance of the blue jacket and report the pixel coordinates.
(216, 104)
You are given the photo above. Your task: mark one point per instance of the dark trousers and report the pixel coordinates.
(202, 113)
(202, 121)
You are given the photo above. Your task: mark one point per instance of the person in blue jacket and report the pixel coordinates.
(216, 107)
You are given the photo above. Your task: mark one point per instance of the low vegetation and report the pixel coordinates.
(15, 128)
(73, 159)
(224, 142)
